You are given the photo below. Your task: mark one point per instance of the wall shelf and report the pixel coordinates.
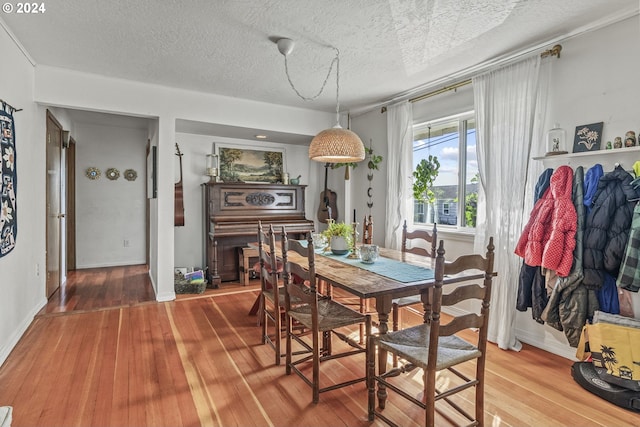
(625, 157)
(606, 153)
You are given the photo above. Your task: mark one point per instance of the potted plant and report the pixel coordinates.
(372, 163)
(339, 235)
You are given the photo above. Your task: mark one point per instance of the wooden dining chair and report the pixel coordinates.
(436, 347)
(410, 240)
(322, 316)
(271, 301)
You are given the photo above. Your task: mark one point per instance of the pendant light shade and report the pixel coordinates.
(336, 145)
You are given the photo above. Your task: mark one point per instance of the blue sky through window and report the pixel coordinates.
(446, 148)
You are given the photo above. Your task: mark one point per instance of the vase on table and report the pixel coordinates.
(339, 245)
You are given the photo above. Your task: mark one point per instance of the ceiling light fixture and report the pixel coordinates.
(334, 145)
(261, 136)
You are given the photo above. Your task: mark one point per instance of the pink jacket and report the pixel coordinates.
(548, 239)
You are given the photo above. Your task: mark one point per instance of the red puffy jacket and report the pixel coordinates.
(548, 239)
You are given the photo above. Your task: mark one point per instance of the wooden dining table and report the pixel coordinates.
(355, 278)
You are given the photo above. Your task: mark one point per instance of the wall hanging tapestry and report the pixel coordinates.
(8, 176)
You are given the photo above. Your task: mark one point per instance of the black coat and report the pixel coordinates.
(607, 227)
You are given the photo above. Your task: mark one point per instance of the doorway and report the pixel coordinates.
(53, 201)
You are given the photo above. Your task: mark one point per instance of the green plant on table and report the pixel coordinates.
(339, 229)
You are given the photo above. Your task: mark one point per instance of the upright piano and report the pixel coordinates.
(231, 215)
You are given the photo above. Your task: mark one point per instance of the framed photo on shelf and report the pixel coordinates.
(587, 137)
(242, 164)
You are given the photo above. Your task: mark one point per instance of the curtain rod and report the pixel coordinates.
(554, 51)
(3, 102)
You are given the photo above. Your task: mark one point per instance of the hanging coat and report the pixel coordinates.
(531, 279)
(570, 303)
(629, 276)
(591, 179)
(607, 227)
(548, 239)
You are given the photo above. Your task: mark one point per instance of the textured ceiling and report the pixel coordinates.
(387, 47)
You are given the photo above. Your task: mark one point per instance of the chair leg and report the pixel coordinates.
(395, 313)
(363, 310)
(277, 335)
(262, 318)
(288, 345)
(480, 404)
(430, 397)
(480, 392)
(371, 381)
(316, 368)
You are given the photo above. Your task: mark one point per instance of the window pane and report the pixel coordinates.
(472, 179)
(440, 140)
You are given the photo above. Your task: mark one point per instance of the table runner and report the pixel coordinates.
(390, 268)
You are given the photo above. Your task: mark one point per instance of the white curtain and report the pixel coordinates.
(399, 167)
(508, 104)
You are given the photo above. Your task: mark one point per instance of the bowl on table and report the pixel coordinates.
(369, 253)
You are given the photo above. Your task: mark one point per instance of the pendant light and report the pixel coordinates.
(334, 145)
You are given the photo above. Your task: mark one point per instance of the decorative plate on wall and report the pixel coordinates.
(92, 173)
(112, 174)
(130, 175)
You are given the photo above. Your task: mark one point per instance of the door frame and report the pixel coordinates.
(49, 287)
(70, 211)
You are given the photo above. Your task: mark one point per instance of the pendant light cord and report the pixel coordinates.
(336, 61)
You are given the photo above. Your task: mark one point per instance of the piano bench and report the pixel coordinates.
(245, 267)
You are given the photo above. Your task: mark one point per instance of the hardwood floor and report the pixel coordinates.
(124, 360)
(99, 288)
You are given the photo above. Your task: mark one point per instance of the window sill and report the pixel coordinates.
(450, 233)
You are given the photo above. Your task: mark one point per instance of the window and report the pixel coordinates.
(445, 208)
(453, 142)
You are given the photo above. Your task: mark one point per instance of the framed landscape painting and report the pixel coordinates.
(240, 164)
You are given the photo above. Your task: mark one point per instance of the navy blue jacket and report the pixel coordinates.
(607, 227)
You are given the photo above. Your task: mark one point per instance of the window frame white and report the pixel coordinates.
(462, 119)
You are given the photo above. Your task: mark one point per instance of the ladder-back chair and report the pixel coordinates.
(409, 244)
(321, 316)
(271, 301)
(436, 347)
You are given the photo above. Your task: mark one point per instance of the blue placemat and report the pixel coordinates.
(396, 270)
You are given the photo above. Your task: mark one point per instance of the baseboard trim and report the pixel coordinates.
(20, 330)
(110, 264)
(565, 351)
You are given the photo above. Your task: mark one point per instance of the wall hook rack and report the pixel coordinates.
(5, 103)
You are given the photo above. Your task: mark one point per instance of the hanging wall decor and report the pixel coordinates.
(92, 173)
(8, 177)
(588, 137)
(130, 175)
(112, 174)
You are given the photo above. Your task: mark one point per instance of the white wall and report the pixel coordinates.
(153, 227)
(22, 290)
(189, 239)
(372, 129)
(110, 212)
